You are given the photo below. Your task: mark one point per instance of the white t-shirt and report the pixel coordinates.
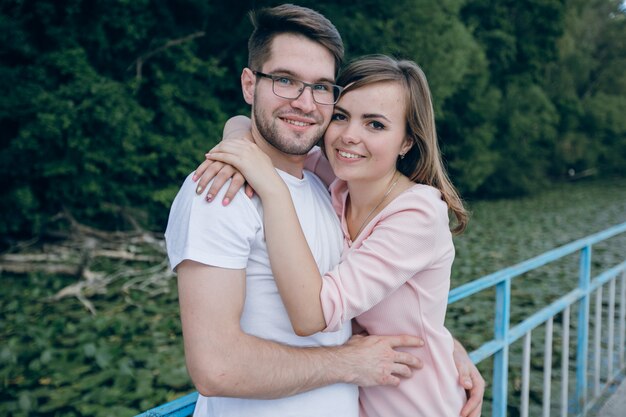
(233, 237)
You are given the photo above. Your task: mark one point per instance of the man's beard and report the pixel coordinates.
(268, 129)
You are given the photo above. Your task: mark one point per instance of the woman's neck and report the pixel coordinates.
(365, 195)
(368, 198)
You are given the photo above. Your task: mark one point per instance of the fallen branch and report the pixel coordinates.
(139, 258)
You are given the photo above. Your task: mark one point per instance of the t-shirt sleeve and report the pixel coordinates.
(407, 240)
(210, 233)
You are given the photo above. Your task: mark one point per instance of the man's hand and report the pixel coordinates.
(471, 380)
(373, 360)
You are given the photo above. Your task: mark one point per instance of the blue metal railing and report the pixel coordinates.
(505, 335)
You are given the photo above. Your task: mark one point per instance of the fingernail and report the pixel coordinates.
(209, 197)
(420, 343)
(194, 178)
(467, 382)
(225, 201)
(198, 189)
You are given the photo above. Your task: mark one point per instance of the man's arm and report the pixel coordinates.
(222, 360)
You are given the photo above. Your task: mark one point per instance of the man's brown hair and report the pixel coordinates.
(288, 18)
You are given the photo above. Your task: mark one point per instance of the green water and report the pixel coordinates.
(56, 359)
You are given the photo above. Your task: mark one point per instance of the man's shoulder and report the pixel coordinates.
(210, 233)
(191, 214)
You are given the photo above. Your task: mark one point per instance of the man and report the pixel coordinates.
(241, 351)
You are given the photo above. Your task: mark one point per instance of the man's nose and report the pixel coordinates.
(305, 101)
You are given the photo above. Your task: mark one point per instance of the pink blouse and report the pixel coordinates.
(394, 279)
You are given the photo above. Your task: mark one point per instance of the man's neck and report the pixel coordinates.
(291, 164)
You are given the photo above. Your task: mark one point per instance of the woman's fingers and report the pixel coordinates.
(201, 168)
(249, 191)
(225, 173)
(235, 184)
(206, 172)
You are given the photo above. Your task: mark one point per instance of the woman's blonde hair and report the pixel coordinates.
(422, 163)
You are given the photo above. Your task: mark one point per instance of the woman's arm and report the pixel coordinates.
(403, 243)
(295, 270)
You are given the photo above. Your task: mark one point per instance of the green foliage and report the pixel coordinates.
(467, 127)
(81, 131)
(528, 123)
(110, 104)
(58, 360)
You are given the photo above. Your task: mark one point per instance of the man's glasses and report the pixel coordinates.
(291, 89)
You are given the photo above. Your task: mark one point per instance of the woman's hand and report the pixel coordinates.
(251, 162)
(219, 172)
(236, 127)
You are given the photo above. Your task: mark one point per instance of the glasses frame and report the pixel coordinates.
(304, 86)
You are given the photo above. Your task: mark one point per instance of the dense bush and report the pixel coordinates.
(106, 105)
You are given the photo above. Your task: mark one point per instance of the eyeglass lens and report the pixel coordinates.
(323, 93)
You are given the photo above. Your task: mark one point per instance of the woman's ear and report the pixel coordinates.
(248, 83)
(407, 144)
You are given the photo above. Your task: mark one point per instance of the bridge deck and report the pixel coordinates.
(615, 404)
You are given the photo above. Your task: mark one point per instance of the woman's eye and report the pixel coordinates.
(337, 117)
(377, 125)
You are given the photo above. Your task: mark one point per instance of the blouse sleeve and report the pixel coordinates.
(407, 240)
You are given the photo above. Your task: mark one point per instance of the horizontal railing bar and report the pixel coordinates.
(606, 276)
(540, 317)
(490, 280)
(517, 331)
(544, 314)
(181, 407)
(486, 350)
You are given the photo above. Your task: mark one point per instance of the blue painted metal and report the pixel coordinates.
(181, 407)
(583, 329)
(501, 358)
(490, 280)
(498, 347)
(504, 335)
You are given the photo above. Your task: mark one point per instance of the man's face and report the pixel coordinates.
(293, 126)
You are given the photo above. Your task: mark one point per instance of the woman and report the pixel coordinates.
(393, 197)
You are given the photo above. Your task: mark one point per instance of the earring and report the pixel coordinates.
(402, 155)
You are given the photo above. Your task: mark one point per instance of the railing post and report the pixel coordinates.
(565, 363)
(622, 320)
(583, 329)
(501, 358)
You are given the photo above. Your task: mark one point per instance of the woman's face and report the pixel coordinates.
(367, 132)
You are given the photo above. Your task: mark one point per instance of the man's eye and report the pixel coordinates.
(323, 87)
(284, 81)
